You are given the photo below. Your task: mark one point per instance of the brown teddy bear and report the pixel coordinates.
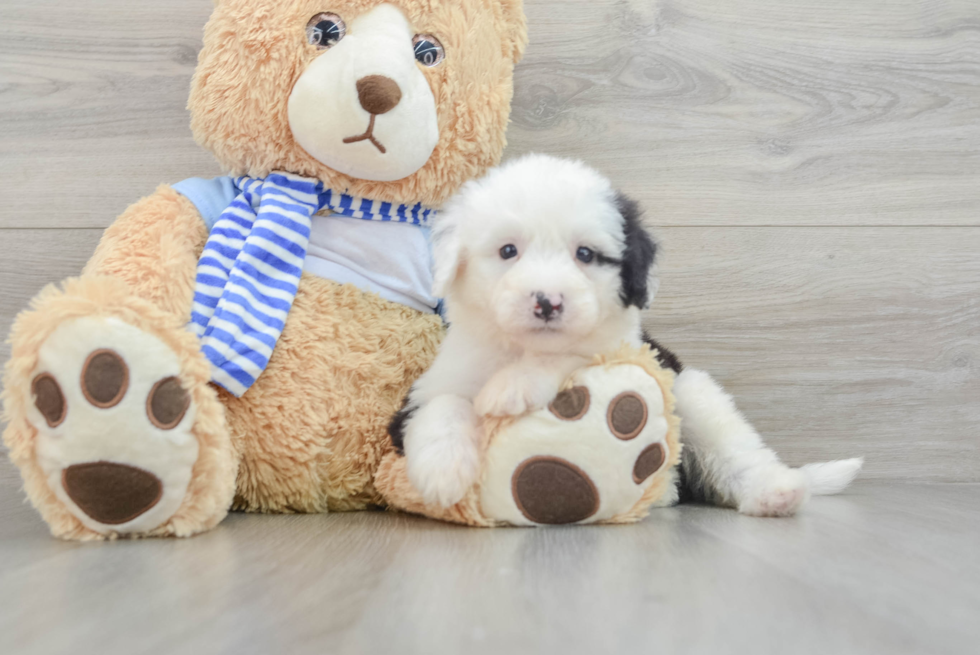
(343, 125)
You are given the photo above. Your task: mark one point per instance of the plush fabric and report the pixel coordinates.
(309, 435)
(248, 276)
(313, 428)
(212, 482)
(249, 272)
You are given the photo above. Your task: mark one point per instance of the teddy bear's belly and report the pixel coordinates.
(313, 428)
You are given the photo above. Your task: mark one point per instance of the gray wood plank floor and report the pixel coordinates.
(886, 568)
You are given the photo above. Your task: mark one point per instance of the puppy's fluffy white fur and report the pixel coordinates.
(535, 263)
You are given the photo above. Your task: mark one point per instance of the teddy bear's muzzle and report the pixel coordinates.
(111, 493)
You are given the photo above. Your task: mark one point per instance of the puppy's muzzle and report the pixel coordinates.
(548, 307)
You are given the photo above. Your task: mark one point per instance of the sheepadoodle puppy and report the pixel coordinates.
(542, 265)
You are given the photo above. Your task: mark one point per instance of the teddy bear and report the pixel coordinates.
(243, 342)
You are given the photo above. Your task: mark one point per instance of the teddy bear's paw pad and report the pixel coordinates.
(114, 424)
(648, 462)
(105, 378)
(570, 404)
(49, 399)
(589, 456)
(111, 493)
(551, 491)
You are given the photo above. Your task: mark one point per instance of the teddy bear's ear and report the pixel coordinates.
(515, 30)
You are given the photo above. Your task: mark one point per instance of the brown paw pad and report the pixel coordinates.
(111, 493)
(553, 491)
(627, 415)
(648, 462)
(167, 403)
(571, 404)
(105, 378)
(49, 399)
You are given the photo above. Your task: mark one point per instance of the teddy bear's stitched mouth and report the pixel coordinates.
(367, 136)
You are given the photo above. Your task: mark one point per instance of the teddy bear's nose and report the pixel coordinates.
(378, 94)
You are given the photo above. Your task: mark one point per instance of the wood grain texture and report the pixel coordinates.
(33, 259)
(885, 568)
(763, 112)
(92, 114)
(836, 342)
(759, 112)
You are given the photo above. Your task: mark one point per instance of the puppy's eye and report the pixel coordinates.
(428, 50)
(508, 252)
(585, 255)
(325, 30)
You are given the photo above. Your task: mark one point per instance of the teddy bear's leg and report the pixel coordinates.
(727, 462)
(112, 421)
(312, 430)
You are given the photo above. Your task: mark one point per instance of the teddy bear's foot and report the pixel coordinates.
(113, 425)
(602, 451)
(119, 435)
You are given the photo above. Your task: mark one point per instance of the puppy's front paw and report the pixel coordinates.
(510, 393)
(775, 490)
(442, 450)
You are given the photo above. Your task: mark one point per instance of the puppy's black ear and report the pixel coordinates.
(638, 255)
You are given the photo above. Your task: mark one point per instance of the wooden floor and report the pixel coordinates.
(887, 568)
(815, 170)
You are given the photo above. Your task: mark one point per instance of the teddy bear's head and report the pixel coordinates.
(398, 100)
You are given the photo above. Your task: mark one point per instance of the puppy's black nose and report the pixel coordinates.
(548, 307)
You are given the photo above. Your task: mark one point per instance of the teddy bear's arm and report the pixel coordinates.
(154, 247)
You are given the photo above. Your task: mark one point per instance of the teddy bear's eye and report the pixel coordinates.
(325, 30)
(428, 50)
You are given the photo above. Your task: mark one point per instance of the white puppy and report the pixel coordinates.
(543, 265)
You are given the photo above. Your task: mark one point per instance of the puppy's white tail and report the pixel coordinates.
(828, 478)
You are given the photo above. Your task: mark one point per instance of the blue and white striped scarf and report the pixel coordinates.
(250, 269)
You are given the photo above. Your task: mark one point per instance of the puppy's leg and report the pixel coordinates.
(442, 449)
(727, 462)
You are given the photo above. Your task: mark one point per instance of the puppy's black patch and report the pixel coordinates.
(396, 429)
(666, 357)
(638, 256)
